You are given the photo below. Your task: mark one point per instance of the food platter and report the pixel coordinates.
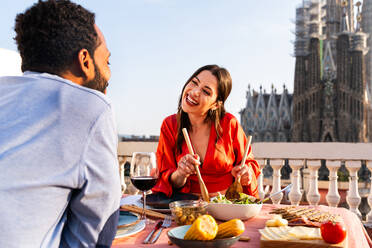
(301, 226)
(302, 244)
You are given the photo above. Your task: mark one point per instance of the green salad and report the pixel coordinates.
(243, 199)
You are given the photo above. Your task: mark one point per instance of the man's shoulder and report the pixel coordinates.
(67, 99)
(76, 99)
(77, 92)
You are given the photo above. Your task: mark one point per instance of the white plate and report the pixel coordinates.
(130, 229)
(127, 218)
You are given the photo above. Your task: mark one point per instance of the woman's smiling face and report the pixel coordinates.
(200, 94)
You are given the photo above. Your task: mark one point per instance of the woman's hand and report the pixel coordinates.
(185, 168)
(186, 165)
(245, 173)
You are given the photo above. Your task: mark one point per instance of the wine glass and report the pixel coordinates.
(144, 174)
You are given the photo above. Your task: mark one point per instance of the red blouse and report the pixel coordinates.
(218, 162)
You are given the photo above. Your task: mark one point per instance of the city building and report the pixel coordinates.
(267, 117)
(331, 101)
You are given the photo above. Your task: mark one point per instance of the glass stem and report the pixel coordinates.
(144, 205)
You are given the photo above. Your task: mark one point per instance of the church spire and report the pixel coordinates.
(315, 23)
(359, 39)
(247, 114)
(345, 19)
(272, 111)
(284, 113)
(260, 112)
(249, 97)
(359, 17)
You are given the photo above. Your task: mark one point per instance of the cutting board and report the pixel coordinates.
(301, 244)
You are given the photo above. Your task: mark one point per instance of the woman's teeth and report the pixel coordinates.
(191, 101)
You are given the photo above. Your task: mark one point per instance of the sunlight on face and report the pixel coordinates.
(200, 94)
(101, 64)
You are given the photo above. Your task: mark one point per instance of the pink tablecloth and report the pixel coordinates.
(357, 236)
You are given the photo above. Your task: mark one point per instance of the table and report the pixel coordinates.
(357, 235)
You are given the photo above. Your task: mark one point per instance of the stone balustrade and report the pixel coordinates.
(301, 156)
(309, 155)
(295, 195)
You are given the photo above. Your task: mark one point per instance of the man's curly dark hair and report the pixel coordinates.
(50, 34)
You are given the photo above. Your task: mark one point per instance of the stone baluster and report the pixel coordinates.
(295, 195)
(353, 198)
(333, 197)
(369, 215)
(276, 164)
(121, 161)
(313, 195)
(262, 164)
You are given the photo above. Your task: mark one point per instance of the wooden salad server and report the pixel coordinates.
(203, 188)
(236, 187)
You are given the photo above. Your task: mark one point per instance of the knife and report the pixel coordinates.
(146, 241)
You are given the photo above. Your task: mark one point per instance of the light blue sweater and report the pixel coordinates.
(59, 180)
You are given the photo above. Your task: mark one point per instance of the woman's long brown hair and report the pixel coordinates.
(224, 85)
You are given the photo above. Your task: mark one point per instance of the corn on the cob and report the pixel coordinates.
(230, 228)
(203, 228)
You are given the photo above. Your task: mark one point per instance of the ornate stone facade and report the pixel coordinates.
(267, 116)
(331, 97)
(332, 81)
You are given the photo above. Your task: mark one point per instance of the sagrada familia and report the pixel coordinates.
(332, 94)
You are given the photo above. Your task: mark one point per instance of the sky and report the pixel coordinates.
(156, 45)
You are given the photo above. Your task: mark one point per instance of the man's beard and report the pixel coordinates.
(98, 82)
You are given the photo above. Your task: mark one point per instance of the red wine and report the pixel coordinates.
(144, 183)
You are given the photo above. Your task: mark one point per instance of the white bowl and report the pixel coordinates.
(227, 211)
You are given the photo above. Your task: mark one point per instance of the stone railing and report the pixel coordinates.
(309, 156)
(300, 156)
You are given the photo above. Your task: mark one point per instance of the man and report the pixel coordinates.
(59, 180)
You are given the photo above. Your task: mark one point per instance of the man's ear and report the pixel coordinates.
(86, 65)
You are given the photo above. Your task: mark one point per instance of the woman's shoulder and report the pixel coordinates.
(170, 121)
(229, 119)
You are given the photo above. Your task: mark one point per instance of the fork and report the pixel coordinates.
(166, 223)
(288, 187)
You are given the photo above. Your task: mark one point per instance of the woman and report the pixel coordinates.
(216, 136)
